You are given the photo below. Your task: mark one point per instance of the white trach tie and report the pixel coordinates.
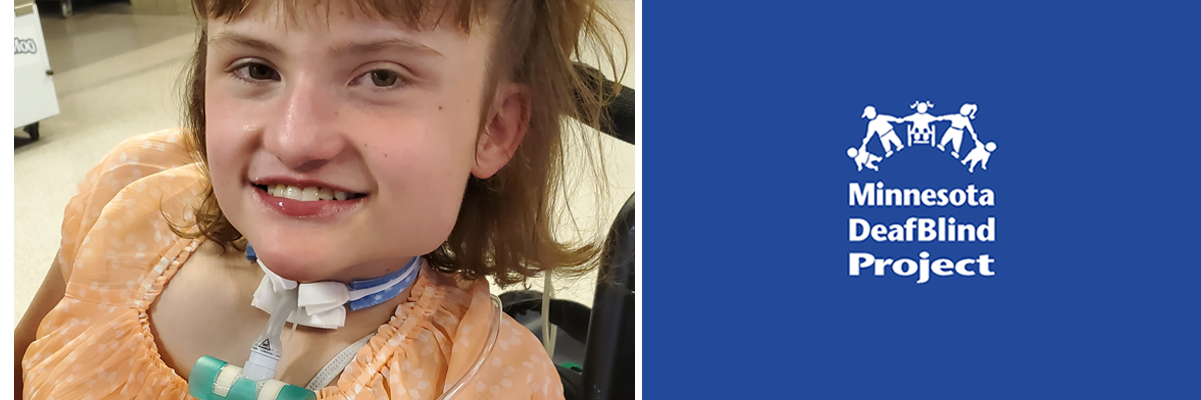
(324, 304)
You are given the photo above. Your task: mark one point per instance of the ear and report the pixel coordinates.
(509, 119)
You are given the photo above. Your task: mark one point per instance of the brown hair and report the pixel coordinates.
(504, 227)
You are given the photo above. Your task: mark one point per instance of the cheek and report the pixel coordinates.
(426, 170)
(217, 118)
(225, 148)
(439, 139)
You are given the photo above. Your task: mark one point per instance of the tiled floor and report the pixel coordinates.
(117, 74)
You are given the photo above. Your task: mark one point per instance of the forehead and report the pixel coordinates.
(463, 15)
(316, 29)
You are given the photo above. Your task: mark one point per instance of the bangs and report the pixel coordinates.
(418, 14)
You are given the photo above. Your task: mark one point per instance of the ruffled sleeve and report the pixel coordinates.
(127, 163)
(116, 254)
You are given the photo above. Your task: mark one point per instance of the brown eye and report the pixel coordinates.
(260, 72)
(383, 78)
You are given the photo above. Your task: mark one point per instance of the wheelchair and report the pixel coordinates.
(594, 348)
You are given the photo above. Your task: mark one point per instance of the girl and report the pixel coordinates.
(346, 142)
(959, 122)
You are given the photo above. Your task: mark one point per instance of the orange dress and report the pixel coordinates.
(118, 252)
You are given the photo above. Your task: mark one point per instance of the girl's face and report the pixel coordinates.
(340, 145)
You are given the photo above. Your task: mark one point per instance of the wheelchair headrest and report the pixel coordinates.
(619, 111)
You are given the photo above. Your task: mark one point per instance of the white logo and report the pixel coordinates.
(921, 130)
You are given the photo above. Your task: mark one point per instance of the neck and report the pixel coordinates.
(369, 270)
(374, 298)
(362, 322)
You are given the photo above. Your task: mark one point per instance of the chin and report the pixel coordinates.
(301, 272)
(296, 262)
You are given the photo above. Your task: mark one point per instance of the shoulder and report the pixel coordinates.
(517, 365)
(512, 363)
(129, 192)
(132, 160)
(145, 154)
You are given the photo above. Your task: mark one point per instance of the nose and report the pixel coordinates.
(305, 135)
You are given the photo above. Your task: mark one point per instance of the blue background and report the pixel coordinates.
(748, 110)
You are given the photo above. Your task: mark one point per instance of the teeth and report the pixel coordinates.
(309, 194)
(293, 192)
(305, 194)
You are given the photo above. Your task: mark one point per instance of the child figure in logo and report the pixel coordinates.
(979, 154)
(881, 125)
(863, 158)
(921, 123)
(959, 122)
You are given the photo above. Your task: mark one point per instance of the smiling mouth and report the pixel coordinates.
(311, 193)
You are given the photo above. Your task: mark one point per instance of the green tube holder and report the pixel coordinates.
(203, 384)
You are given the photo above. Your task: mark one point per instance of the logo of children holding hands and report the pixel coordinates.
(921, 130)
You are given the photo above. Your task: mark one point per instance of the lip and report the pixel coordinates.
(320, 209)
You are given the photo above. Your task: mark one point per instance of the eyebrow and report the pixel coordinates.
(239, 39)
(352, 48)
(380, 45)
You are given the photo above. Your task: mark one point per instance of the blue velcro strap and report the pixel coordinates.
(410, 275)
(356, 285)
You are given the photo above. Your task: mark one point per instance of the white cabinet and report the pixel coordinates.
(35, 98)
